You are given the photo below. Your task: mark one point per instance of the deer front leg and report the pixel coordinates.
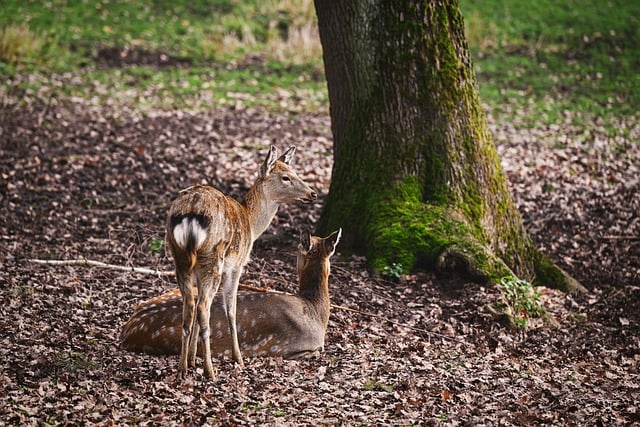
(230, 298)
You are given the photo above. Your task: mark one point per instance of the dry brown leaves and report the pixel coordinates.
(80, 180)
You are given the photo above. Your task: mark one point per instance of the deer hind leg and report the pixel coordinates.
(194, 337)
(184, 278)
(193, 343)
(230, 298)
(209, 283)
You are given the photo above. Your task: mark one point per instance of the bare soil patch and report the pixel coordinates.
(84, 181)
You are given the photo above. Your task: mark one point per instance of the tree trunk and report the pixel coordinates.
(416, 180)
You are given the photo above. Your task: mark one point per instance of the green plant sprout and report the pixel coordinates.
(521, 299)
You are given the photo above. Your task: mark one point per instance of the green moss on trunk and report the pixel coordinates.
(403, 230)
(549, 274)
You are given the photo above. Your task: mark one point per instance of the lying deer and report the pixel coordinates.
(270, 324)
(210, 236)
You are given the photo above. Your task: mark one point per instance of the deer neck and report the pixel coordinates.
(260, 209)
(314, 287)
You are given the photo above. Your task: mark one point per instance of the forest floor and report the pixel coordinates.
(80, 180)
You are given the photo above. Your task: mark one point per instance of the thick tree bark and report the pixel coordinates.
(416, 179)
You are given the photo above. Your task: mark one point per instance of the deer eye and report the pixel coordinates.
(286, 178)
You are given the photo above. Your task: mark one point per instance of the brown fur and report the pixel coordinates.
(269, 324)
(220, 232)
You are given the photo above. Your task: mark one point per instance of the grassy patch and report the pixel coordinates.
(272, 85)
(550, 56)
(19, 45)
(543, 58)
(202, 30)
(166, 54)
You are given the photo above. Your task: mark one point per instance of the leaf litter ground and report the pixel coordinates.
(81, 180)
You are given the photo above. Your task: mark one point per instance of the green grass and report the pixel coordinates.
(214, 40)
(553, 55)
(546, 57)
(18, 44)
(193, 87)
(197, 29)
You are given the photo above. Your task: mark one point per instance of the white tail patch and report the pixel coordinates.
(189, 227)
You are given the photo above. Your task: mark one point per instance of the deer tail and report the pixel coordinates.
(189, 232)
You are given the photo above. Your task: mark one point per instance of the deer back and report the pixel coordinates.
(201, 218)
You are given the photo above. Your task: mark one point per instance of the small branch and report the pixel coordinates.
(91, 263)
(141, 270)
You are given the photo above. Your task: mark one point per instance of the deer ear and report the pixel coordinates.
(288, 155)
(269, 162)
(332, 240)
(305, 240)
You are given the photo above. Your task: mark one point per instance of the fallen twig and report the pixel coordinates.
(92, 263)
(141, 270)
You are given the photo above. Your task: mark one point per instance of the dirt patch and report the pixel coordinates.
(85, 181)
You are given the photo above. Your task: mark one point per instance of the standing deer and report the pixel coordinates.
(210, 236)
(271, 324)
